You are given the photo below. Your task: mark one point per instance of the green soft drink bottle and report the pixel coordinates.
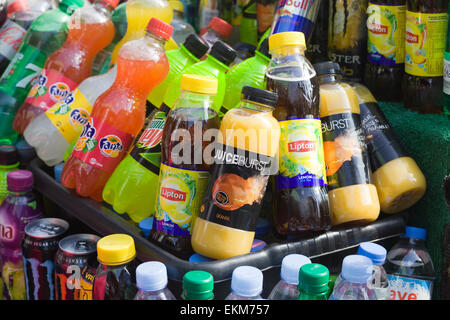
(250, 72)
(132, 183)
(45, 35)
(8, 162)
(446, 96)
(215, 65)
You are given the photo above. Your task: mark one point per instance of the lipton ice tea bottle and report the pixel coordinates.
(301, 198)
(400, 182)
(118, 114)
(226, 224)
(352, 195)
(90, 30)
(184, 170)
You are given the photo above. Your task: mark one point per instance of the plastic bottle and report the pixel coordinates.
(318, 45)
(286, 288)
(8, 162)
(207, 10)
(400, 182)
(351, 192)
(181, 28)
(248, 28)
(426, 26)
(115, 276)
(300, 194)
(13, 31)
(45, 35)
(347, 36)
(250, 72)
(218, 29)
(225, 226)
(198, 285)
(377, 254)
(215, 65)
(354, 280)
(246, 284)
(16, 211)
(118, 114)
(446, 95)
(313, 280)
(151, 280)
(409, 267)
(90, 30)
(183, 179)
(52, 132)
(138, 15)
(386, 49)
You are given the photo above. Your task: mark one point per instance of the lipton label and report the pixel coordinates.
(101, 145)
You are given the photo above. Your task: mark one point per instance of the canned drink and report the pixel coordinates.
(75, 252)
(39, 247)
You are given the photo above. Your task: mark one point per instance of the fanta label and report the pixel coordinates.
(102, 145)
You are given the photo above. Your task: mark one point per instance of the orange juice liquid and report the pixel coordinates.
(244, 129)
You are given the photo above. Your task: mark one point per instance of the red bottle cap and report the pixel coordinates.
(221, 26)
(17, 6)
(112, 3)
(160, 28)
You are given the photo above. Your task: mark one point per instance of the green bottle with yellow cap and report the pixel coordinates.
(116, 273)
(198, 285)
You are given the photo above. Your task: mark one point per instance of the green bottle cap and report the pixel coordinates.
(69, 6)
(198, 285)
(313, 278)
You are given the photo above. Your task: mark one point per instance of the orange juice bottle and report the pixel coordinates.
(90, 30)
(118, 114)
(248, 143)
(353, 196)
(139, 13)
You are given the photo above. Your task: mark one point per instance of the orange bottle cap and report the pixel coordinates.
(221, 26)
(160, 28)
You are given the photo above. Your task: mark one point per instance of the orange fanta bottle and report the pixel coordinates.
(90, 30)
(119, 113)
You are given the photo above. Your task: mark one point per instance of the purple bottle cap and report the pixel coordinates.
(20, 180)
(8, 155)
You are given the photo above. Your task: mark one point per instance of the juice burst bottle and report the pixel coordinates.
(351, 192)
(226, 224)
(118, 114)
(138, 14)
(90, 30)
(426, 27)
(301, 198)
(185, 164)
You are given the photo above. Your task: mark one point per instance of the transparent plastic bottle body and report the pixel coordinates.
(380, 283)
(49, 143)
(164, 294)
(344, 290)
(115, 282)
(284, 291)
(181, 28)
(234, 296)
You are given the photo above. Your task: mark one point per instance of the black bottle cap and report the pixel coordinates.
(264, 48)
(195, 45)
(327, 67)
(257, 95)
(8, 155)
(223, 52)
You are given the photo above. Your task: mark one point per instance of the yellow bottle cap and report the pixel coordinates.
(176, 5)
(116, 249)
(282, 39)
(200, 84)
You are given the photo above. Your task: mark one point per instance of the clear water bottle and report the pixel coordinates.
(377, 254)
(409, 267)
(151, 280)
(246, 284)
(354, 281)
(286, 288)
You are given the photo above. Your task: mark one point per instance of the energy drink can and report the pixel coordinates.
(39, 247)
(74, 254)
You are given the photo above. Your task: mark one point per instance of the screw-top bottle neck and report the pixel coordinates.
(329, 78)
(104, 7)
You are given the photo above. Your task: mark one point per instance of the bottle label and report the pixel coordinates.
(238, 183)
(301, 154)
(179, 199)
(425, 43)
(87, 283)
(386, 39)
(345, 151)
(11, 36)
(403, 288)
(447, 73)
(50, 87)
(70, 115)
(147, 151)
(101, 145)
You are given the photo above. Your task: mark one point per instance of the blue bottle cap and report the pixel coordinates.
(146, 226)
(417, 233)
(373, 251)
(247, 281)
(151, 276)
(290, 267)
(57, 170)
(356, 269)
(262, 227)
(199, 258)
